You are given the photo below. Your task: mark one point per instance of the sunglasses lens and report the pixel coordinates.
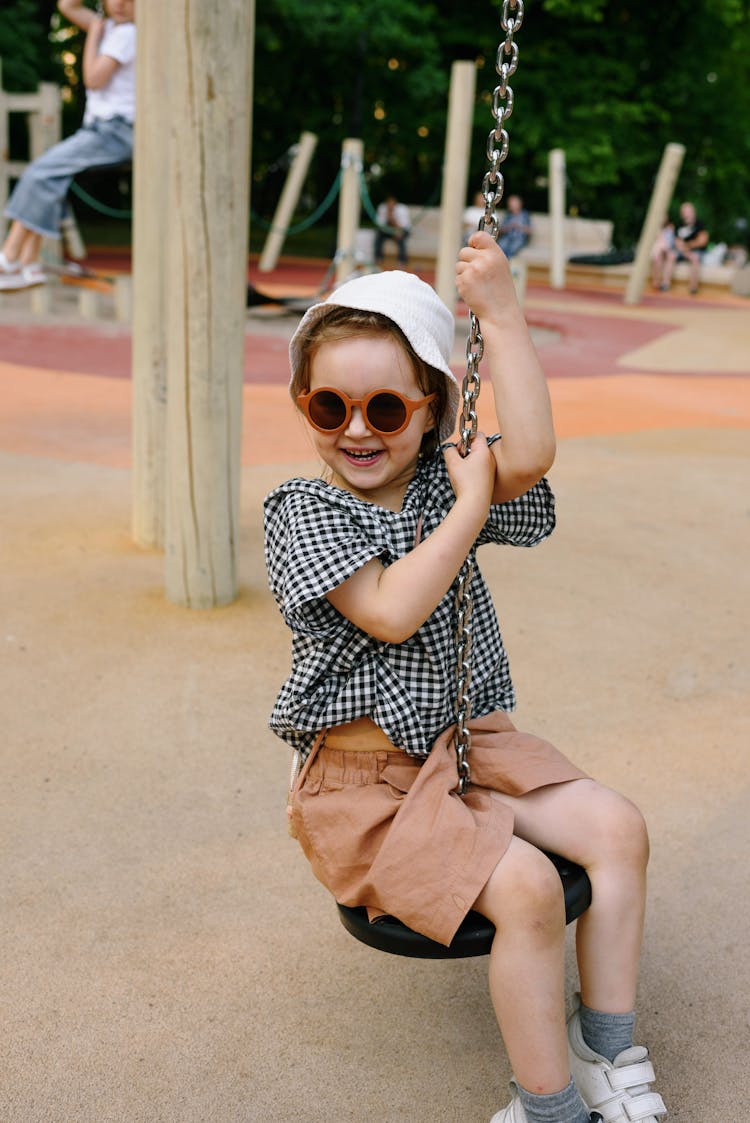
(327, 409)
(386, 413)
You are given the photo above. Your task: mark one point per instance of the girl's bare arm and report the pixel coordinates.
(75, 11)
(522, 403)
(97, 68)
(391, 603)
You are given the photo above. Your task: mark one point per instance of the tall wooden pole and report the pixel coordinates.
(352, 155)
(154, 110)
(661, 197)
(455, 176)
(210, 93)
(557, 218)
(287, 202)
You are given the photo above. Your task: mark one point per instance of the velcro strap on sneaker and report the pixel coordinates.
(646, 1106)
(620, 1079)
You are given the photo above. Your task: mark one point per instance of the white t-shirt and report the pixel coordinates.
(117, 98)
(401, 216)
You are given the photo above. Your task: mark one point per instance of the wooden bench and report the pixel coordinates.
(582, 236)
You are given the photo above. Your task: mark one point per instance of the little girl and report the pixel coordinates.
(37, 204)
(363, 564)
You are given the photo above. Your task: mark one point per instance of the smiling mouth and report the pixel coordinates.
(362, 456)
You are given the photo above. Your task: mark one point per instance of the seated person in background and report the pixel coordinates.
(691, 239)
(662, 246)
(515, 228)
(394, 224)
(472, 216)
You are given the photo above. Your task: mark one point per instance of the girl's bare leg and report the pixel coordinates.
(31, 247)
(695, 269)
(604, 832)
(669, 263)
(524, 900)
(15, 240)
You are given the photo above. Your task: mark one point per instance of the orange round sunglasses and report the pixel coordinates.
(385, 412)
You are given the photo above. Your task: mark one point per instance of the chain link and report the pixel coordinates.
(492, 190)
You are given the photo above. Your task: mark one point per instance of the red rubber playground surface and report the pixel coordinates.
(670, 362)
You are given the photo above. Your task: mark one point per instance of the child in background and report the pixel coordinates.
(37, 204)
(515, 229)
(363, 564)
(663, 246)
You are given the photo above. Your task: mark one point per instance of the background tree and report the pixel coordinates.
(609, 81)
(25, 44)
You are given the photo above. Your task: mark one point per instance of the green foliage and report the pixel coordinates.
(606, 80)
(589, 10)
(25, 45)
(609, 81)
(345, 73)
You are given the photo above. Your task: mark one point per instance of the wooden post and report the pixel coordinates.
(661, 197)
(287, 202)
(209, 182)
(41, 300)
(151, 284)
(455, 177)
(123, 298)
(352, 152)
(45, 129)
(557, 218)
(45, 125)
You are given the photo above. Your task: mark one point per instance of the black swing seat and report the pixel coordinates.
(474, 937)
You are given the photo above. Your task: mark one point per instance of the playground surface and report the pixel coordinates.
(167, 954)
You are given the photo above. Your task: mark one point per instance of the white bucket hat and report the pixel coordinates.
(414, 306)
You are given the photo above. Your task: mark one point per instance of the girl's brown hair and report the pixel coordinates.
(339, 323)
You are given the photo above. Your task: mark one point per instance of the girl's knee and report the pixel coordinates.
(620, 829)
(524, 892)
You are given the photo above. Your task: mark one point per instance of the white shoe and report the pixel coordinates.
(33, 275)
(514, 1112)
(9, 272)
(14, 276)
(621, 1089)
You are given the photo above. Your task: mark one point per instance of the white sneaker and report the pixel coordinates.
(515, 1113)
(33, 275)
(14, 276)
(9, 272)
(621, 1089)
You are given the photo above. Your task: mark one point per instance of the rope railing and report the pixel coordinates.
(305, 223)
(367, 203)
(96, 205)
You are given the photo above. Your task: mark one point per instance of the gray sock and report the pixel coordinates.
(561, 1107)
(607, 1034)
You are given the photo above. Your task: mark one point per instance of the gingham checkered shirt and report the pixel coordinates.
(317, 536)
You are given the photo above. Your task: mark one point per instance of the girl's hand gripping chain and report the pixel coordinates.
(522, 404)
(473, 476)
(392, 603)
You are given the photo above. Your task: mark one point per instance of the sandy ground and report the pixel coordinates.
(166, 954)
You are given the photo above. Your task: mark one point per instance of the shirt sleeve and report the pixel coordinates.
(313, 544)
(524, 521)
(120, 43)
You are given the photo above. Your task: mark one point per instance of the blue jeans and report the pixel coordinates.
(382, 236)
(513, 242)
(38, 199)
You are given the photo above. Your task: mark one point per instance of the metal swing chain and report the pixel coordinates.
(493, 183)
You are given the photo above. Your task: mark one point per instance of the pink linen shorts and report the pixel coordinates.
(388, 831)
